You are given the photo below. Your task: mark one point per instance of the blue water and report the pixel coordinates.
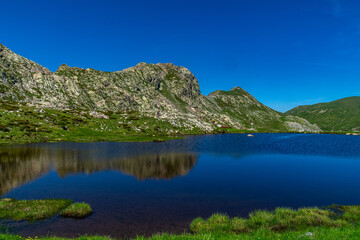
(145, 188)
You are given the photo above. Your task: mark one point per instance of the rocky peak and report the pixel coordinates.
(141, 64)
(236, 88)
(11, 60)
(163, 90)
(63, 67)
(66, 68)
(235, 91)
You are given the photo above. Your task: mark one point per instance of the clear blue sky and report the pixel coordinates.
(284, 52)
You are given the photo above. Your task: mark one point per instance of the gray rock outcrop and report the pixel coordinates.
(164, 91)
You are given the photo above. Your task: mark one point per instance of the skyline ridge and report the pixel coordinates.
(206, 94)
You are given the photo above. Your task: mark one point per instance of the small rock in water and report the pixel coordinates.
(250, 135)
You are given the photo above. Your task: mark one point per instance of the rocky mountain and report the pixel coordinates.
(162, 91)
(339, 115)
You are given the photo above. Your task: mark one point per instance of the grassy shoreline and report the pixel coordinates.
(155, 138)
(333, 222)
(21, 124)
(143, 138)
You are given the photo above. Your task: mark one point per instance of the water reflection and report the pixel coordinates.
(157, 166)
(19, 165)
(234, 174)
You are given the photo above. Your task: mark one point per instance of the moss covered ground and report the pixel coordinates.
(32, 210)
(77, 210)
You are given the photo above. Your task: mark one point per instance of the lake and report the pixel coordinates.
(146, 188)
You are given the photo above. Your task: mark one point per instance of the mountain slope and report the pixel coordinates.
(243, 107)
(161, 91)
(339, 115)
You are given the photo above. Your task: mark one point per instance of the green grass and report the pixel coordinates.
(31, 210)
(314, 233)
(21, 124)
(282, 219)
(17, 237)
(334, 222)
(77, 210)
(320, 233)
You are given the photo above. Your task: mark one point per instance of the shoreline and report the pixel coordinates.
(20, 124)
(329, 222)
(159, 138)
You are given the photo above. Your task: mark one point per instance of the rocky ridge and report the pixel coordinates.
(163, 91)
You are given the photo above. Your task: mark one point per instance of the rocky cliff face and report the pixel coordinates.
(163, 91)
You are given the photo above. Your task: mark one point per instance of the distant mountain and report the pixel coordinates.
(339, 115)
(163, 91)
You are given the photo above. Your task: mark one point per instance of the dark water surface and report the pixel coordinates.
(145, 188)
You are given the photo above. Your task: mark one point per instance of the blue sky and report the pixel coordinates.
(284, 52)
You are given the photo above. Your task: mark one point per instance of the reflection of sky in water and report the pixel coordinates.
(142, 188)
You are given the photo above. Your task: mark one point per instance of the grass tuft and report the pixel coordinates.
(77, 210)
(282, 219)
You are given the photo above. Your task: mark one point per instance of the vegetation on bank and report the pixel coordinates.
(21, 124)
(17, 237)
(282, 219)
(314, 233)
(334, 222)
(31, 210)
(77, 210)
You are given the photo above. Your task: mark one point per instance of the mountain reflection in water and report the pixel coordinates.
(19, 165)
(234, 174)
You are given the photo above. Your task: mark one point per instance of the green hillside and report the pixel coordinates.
(339, 115)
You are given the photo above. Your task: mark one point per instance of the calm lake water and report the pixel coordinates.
(146, 188)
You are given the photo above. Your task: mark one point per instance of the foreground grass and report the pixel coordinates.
(282, 219)
(76, 210)
(31, 210)
(333, 223)
(350, 232)
(316, 233)
(17, 237)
